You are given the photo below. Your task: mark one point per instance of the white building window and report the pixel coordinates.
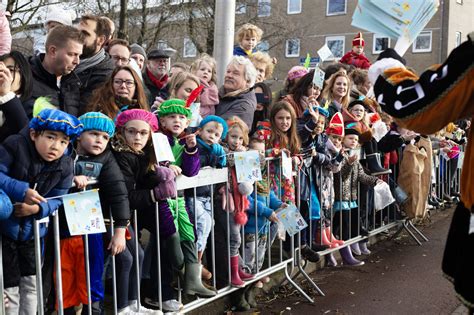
(162, 44)
(263, 46)
(264, 8)
(189, 49)
(294, 6)
(240, 8)
(422, 42)
(336, 45)
(458, 39)
(380, 43)
(292, 47)
(336, 7)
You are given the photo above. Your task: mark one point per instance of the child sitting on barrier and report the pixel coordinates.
(132, 149)
(93, 161)
(346, 216)
(33, 167)
(211, 130)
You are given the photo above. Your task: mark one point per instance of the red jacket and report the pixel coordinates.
(358, 61)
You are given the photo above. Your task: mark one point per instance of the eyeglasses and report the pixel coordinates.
(128, 83)
(360, 110)
(133, 132)
(122, 59)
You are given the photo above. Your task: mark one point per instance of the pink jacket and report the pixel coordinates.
(5, 35)
(209, 99)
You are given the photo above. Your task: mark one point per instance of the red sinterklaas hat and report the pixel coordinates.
(358, 40)
(336, 125)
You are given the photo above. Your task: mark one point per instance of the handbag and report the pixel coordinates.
(398, 193)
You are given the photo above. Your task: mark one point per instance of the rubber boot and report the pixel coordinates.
(321, 238)
(192, 274)
(245, 276)
(373, 163)
(355, 249)
(309, 254)
(347, 258)
(363, 248)
(206, 274)
(192, 282)
(241, 304)
(331, 238)
(235, 280)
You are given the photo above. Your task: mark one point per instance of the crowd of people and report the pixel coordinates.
(84, 107)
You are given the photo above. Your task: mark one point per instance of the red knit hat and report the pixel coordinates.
(358, 40)
(336, 125)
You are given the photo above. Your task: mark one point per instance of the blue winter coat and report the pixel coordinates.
(239, 51)
(21, 168)
(265, 207)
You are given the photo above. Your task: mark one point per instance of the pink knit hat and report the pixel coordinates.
(137, 114)
(297, 72)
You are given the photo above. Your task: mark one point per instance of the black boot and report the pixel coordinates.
(373, 163)
(309, 254)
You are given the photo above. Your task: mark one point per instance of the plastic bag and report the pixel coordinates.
(382, 196)
(379, 130)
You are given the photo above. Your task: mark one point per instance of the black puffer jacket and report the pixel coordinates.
(111, 184)
(92, 78)
(12, 117)
(67, 97)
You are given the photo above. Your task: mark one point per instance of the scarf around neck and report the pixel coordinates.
(90, 62)
(159, 83)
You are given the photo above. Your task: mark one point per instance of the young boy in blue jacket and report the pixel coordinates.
(33, 167)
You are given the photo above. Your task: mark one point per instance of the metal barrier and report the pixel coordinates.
(374, 222)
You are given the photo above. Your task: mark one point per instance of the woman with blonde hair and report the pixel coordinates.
(336, 92)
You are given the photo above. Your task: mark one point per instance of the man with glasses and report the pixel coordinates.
(155, 75)
(119, 51)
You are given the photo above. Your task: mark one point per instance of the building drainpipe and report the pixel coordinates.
(223, 36)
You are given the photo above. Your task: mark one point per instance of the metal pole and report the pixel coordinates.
(57, 251)
(39, 275)
(158, 255)
(137, 258)
(88, 273)
(114, 275)
(223, 35)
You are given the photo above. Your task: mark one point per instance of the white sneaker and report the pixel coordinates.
(172, 306)
(168, 306)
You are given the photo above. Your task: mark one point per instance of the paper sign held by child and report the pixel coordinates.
(291, 219)
(286, 166)
(324, 52)
(162, 148)
(247, 166)
(84, 213)
(318, 78)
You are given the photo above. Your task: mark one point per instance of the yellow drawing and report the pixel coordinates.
(406, 6)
